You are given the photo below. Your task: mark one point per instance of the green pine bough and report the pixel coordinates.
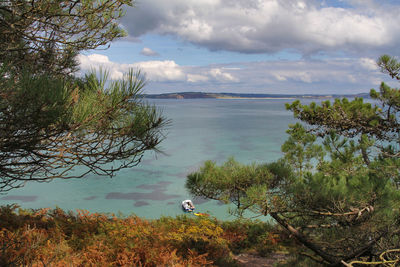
(336, 188)
(52, 123)
(48, 127)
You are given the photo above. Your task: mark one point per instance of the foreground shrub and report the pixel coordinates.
(53, 237)
(256, 236)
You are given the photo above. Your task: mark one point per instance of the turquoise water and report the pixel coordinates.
(201, 129)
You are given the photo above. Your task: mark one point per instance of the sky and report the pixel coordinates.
(254, 46)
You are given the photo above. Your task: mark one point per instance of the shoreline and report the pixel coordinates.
(251, 98)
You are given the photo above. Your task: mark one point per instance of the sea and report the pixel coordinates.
(250, 130)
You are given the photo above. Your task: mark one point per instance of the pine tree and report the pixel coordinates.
(51, 121)
(45, 35)
(336, 190)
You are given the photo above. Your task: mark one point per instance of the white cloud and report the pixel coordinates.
(93, 60)
(310, 76)
(283, 77)
(155, 70)
(368, 64)
(221, 76)
(96, 61)
(332, 27)
(280, 77)
(149, 52)
(268, 26)
(194, 78)
(166, 70)
(297, 75)
(159, 71)
(351, 78)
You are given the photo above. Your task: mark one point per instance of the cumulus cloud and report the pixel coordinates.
(149, 52)
(166, 70)
(268, 26)
(302, 76)
(194, 78)
(333, 76)
(155, 70)
(160, 71)
(87, 62)
(96, 61)
(221, 76)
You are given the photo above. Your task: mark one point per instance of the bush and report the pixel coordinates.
(53, 237)
(248, 235)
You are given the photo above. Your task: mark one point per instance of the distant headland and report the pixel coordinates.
(195, 95)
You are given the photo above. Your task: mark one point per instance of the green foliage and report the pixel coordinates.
(350, 118)
(44, 36)
(50, 121)
(336, 189)
(49, 125)
(300, 149)
(389, 65)
(231, 182)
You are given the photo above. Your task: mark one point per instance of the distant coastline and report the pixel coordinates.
(254, 97)
(197, 95)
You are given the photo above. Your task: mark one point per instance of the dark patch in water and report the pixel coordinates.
(171, 203)
(246, 146)
(147, 161)
(148, 172)
(21, 198)
(161, 186)
(155, 195)
(90, 198)
(200, 200)
(141, 203)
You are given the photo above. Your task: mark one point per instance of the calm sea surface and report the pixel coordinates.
(201, 129)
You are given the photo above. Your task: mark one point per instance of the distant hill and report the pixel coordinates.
(195, 95)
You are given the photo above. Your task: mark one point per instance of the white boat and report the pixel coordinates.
(187, 205)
